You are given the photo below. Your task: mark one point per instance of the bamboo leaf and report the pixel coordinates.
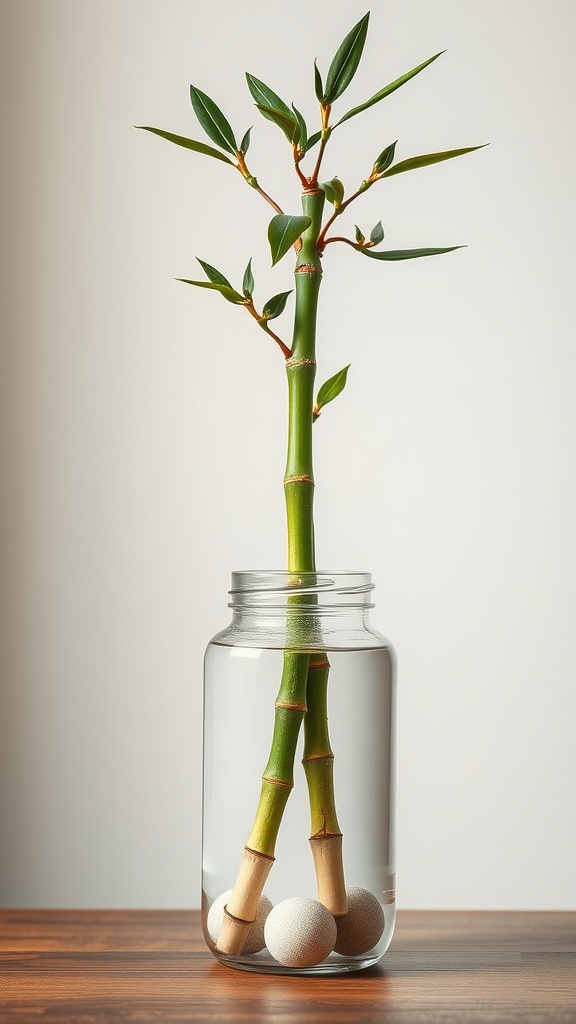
(331, 388)
(283, 231)
(360, 238)
(318, 87)
(405, 254)
(388, 89)
(180, 140)
(287, 122)
(377, 233)
(345, 63)
(424, 161)
(245, 143)
(275, 306)
(264, 96)
(334, 190)
(213, 121)
(213, 275)
(386, 157)
(303, 131)
(248, 280)
(313, 140)
(226, 291)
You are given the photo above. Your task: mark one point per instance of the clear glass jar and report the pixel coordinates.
(280, 619)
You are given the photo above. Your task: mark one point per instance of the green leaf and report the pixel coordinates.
(386, 157)
(287, 122)
(303, 133)
(405, 254)
(377, 233)
(283, 231)
(180, 140)
(248, 280)
(226, 291)
(360, 238)
(313, 140)
(245, 143)
(388, 89)
(345, 63)
(275, 306)
(213, 121)
(318, 87)
(332, 388)
(334, 190)
(213, 275)
(264, 96)
(429, 158)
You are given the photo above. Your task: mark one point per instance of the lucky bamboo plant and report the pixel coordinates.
(303, 691)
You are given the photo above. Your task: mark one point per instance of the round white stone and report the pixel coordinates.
(361, 928)
(255, 937)
(300, 932)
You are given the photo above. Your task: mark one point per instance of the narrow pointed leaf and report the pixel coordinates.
(345, 63)
(318, 87)
(303, 130)
(313, 140)
(360, 238)
(245, 142)
(283, 231)
(180, 140)
(382, 162)
(264, 96)
(287, 122)
(226, 291)
(334, 190)
(424, 161)
(275, 306)
(213, 275)
(388, 89)
(377, 233)
(212, 120)
(405, 254)
(248, 280)
(332, 388)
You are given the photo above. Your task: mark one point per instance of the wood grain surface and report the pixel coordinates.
(102, 967)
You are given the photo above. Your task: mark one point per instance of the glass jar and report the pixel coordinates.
(321, 850)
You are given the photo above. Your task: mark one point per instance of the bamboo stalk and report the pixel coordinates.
(318, 761)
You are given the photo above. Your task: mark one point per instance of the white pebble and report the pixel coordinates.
(255, 937)
(361, 928)
(300, 932)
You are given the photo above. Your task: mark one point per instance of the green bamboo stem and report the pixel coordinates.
(295, 687)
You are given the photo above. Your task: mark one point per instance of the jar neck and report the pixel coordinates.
(320, 592)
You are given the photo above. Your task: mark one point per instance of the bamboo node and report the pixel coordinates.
(303, 479)
(328, 756)
(318, 665)
(237, 920)
(299, 362)
(257, 853)
(308, 268)
(325, 835)
(291, 707)
(277, 782)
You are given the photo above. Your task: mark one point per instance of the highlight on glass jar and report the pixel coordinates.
(298, 870)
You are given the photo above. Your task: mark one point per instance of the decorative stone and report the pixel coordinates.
(361, 928)
(255, 937)
(300, 932)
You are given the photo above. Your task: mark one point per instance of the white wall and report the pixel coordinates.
(143, 429)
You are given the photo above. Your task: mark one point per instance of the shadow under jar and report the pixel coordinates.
(314, 806)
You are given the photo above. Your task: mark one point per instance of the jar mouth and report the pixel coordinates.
(274, 588)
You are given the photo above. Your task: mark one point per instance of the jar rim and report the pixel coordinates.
(340, 587)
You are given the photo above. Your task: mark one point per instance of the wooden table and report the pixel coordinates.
(103, 967)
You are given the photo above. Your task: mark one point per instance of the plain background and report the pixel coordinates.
(143, 429)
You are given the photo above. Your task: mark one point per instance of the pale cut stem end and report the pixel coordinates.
(327, 853)
(242, 906)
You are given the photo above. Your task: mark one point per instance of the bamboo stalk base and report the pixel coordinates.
(327, 853)
(240, 911)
